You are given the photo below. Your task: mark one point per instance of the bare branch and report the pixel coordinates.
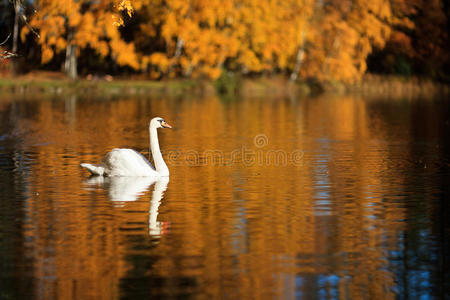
(7, 54)
(18, 8)
(7, 38)
(29, 26)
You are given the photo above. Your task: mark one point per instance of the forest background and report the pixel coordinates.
(303, 40)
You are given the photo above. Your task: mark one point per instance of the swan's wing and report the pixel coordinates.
(127, 162)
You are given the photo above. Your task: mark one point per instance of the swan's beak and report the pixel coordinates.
(165, 124)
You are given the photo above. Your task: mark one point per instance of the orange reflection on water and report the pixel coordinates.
(244, 229)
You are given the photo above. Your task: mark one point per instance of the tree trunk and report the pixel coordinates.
(178, 51)
(16, 25)
(14, 63)
(300, 55)
(70, 65)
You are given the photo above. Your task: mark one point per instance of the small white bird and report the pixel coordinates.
(127, 162)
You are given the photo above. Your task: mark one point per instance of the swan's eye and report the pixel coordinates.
(164, 124)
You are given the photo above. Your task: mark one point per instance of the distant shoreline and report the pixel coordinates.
(371, 85)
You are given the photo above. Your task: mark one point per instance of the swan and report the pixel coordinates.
(127, 162)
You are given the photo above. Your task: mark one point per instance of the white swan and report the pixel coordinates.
(127, 162)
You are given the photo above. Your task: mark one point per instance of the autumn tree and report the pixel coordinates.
(202, 38)
(195, 37)
(341, 37)
(74, 25)
(270, 34)
(421, 48)
(326, 40)
(14, 9)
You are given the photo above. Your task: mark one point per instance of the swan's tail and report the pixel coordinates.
(95, 170)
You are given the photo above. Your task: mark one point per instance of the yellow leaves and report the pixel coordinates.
(202, 37)
(117, 21)
(25, 30)
(249, 61)
(88, 31)
(160, 60)
(170, 26)
(60, 44)
(124, 53)
(207, 71)
(125, 5)
(250, 35)
(214, 73)
(102, 48)
(84, 24)
(47, 54)
(341, 39)
(75, 19)
(404, 22)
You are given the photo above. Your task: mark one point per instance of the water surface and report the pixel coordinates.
(327, 198)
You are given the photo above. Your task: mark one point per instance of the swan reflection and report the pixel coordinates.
(123, 189)
(126, 189)
(156, 228)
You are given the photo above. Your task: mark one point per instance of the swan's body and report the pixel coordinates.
(127, 162)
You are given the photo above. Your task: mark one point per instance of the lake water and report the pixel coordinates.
(321, 198)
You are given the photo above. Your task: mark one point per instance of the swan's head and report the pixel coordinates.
(159, 123)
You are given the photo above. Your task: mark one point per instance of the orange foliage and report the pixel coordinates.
(327, 40)
(201, 38)
(342, 37)
(91, 23)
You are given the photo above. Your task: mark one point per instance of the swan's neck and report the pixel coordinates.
(160, 165)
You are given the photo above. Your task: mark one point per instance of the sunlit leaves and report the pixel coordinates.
(200, 38)
(343, 35)
(244, 36)
(85, 24)
(125, 5)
